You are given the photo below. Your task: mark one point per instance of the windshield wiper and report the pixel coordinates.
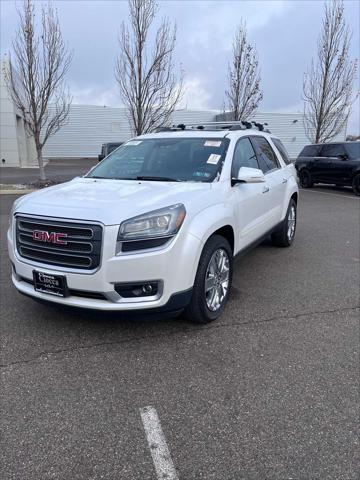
(114, 178)
(158, 179)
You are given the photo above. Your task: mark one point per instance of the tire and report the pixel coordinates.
(356, 184)
(305, 178)
(284, 237)
(207, 306)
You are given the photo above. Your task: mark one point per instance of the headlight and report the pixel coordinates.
(155, 225)
(12, 212)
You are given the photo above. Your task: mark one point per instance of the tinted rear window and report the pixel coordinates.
(267, 158)
(333, 150)
(112, 147)
(282, 150)
(310, 151)
(353, 150)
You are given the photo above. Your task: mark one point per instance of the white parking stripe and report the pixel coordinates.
(329, 194)
(158, 447)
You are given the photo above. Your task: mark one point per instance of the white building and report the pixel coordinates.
(17, 149)
(90, 126)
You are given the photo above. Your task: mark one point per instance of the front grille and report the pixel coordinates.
(79, 247)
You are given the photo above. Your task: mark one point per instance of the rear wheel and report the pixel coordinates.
(285, 235)
(212, 281)
(356, 184)
(305, 178)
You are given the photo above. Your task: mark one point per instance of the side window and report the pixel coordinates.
(244, 156)
(267, 157)
(282, 150)
(333, 150)
(310, 151)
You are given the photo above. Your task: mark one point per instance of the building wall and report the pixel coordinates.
(17, 149)
(9, 155)
(289, 127)
(90, 126)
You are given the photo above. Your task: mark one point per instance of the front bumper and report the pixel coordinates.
(174, 266)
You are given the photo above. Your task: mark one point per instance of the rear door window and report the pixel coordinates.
(266, 155)
(353, 150)
(282, 150)
(333, 150)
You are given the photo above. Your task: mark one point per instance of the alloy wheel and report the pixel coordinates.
(217, 279)
(291, 224)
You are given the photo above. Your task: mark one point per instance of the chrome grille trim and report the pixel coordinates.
(82, 249)
(55, 225)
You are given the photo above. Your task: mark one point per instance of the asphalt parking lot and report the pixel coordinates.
(270, 391)
(59, 170)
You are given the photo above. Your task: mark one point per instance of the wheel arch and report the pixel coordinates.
(214, 220)
(295, 197)
(227, 232)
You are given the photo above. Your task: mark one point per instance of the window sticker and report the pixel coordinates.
(212, 143)
(213, 159)
(133, 142)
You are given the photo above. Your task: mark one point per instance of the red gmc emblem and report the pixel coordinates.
(52, 237)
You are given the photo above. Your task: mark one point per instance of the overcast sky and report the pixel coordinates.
(284, 31)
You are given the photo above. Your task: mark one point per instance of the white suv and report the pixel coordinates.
(155, 226)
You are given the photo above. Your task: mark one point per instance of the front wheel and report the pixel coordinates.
(212, 281)
(285, 235)
(356, 184)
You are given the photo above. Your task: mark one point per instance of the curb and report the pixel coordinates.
(16, 192)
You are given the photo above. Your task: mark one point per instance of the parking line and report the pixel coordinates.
(160, 453)
(330, 194)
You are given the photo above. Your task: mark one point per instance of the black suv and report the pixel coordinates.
(107, 148)
(332, 163)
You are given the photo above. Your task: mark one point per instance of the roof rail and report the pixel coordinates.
(214, 126)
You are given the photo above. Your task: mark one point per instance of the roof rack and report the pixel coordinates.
(215, 126)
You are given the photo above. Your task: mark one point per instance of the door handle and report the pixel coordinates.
(265, 189)
(284, 180)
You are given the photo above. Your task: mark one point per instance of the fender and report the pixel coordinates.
(292, 187)
(209, 220)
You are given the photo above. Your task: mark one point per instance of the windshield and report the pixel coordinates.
(166, 159)
(353, 150)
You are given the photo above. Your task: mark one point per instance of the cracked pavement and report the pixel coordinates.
(271, 390)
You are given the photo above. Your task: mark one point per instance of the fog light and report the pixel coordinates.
(147, 288)
(138, 289)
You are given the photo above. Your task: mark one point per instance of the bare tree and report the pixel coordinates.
(148, 87)
(35, 75)
(328, 84)
(244, 94)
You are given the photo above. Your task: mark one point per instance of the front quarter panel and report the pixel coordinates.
(211, 219)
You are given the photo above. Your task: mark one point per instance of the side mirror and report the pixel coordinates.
(343, 156)
(249, 175)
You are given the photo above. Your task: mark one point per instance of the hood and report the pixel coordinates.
(109, 201)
